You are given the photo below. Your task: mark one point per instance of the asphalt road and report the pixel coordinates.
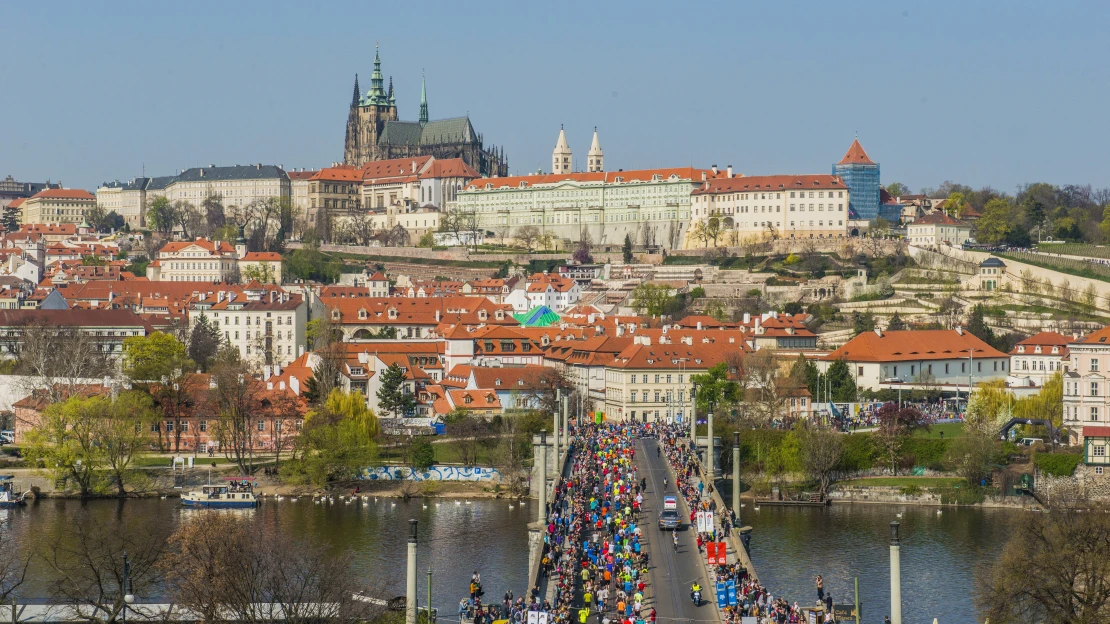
(672, 573)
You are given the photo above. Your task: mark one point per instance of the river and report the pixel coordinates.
(453, 540)
(942, 554)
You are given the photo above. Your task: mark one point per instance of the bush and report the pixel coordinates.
(859, 452)
(966, 495)
(792, 259)
(911, 490)
(1058, 464)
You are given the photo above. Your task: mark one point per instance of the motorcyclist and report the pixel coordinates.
(695, 592)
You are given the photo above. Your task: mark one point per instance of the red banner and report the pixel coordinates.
(722, 553)
(711, 553)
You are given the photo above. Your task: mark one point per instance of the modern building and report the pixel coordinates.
(374, 132)
(936, 229)
(932, 358)
(652, 206)
(57, 206)
(861, 175)
(1036, 359)
(771, 207)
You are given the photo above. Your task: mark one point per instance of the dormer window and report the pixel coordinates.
(497, 382)
(335, 315)
(362, 314)
(482, 315)
(393, 313)
(467, 399)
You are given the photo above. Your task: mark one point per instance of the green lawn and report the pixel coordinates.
(164, 461)
(950, 430)
(922, 482)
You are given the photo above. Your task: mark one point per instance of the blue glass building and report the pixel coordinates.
(861, 176)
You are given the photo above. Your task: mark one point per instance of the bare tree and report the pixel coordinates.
(219, 568)
(86, 559)
(58, 359)
(821, 452)
(528, 235)
(236, 404)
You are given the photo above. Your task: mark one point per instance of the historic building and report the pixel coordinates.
(861, 175)
(770, 207)
(57, 206)
(374, 132)
(11, 189)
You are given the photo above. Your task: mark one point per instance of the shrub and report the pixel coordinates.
(1058, 464)
(859, 452)
(911, 490)
(792, 259)
(928, 452)
(964, 495)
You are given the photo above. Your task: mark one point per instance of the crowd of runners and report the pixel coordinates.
(593, 558)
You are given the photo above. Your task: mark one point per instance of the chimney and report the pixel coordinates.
(202, 173)
(747, 318)
(258, 167)
(437, 316)
(960, 330)
(714, 168)
(879, 332)
(730, 171)
(277, 370)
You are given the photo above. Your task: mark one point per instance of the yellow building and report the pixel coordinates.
(57, 206)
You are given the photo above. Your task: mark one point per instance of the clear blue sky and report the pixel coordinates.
(994, 93)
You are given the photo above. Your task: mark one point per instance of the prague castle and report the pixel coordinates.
(375, 133)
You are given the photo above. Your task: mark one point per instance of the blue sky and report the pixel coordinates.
(985, 93)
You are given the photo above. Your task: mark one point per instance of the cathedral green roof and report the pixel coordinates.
(454, 130)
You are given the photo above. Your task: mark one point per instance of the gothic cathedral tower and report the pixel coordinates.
(369, 115)
(595, 159)
(560, 156)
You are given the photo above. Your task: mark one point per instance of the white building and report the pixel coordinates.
(938, 229)
(204, 260)
(1036, 359)
(776, 206)
(554, 291)
(267, 325)
(1087, 395)
(919, 358)
(238, 185)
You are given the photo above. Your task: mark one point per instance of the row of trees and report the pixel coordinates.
(266, 223)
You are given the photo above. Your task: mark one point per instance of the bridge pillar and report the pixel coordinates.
(541, 462)
(895, 575)
(410, 577)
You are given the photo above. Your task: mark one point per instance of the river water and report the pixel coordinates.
(453, 540)
(942, 554)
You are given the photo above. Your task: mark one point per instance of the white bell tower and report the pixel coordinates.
(560, 156)
(595, 159)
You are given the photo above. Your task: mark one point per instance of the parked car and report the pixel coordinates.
(7, 437)
(1030, 441)
(668, 519)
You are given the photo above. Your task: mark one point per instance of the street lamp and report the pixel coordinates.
(125, 586)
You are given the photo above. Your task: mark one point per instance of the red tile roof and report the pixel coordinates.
(1098, 336)
(915, 345)
(300, 175)
(342, 173)
(204, 243)
(771, 182)
(855, 156)
(16, 203)
(449, 168)
(64, 194)
(262, 256)
(610, 177)
(939, 217)
(393, 167)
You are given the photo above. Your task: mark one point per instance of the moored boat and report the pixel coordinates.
(236, 493)
(9, 496)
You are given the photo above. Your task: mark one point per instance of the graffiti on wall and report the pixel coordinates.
(435, 473)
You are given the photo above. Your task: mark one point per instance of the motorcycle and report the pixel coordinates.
(696, 597)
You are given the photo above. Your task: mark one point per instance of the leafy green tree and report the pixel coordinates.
(997, 222)
(161, 216)
(422, 455)
(650, 299)
(337, 441)
(91, 260)
(262, 272)
(312, 264)
(897, 189)
(393, 399)
(804, 373)
(150, 358)
(204, 342)
(972, 456)
(112, 221)
(956, 205)
(896, 323)
(861, 323)
(715, 388)
(977, 326)
(842, 385)
(626, 249)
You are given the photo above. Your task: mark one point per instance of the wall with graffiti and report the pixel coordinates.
(435, 473)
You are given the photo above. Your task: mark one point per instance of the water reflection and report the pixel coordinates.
(454, 540)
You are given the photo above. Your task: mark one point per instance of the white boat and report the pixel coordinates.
(236, 493)
(9, 496)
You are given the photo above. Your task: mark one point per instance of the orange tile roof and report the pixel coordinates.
(609, 177)
(913, 345)
(698, 356)
(938, 217)
(342, 173)
(449, 168)
(394, 167)
(63, 194)
(300, 175)
(855, 156)
(262, 256)
(1098, 336)
(204, 243)
(770, 182)
(16, 203)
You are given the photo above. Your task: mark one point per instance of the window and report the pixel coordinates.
(261, 425)
(1094, 388)
(1099, 450)
(203, 426)
(1094, 413)
(1098, 469)
(1094, 365)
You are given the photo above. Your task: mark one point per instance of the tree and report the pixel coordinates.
(470, 434)
(263, 272)
(204, 342)
(989, 407)
(236, 404)
(955, 205)
(650, 299)
(626, 249)
(862, 323)
(95, 216)
(977, 326)
(821, 450)
(150, 358)
(91, 261)
(713, 229)
(897, 189)
(218, 568)
(996, 224)
(393, 397)
(337, 441)
(715, 388)
(762, 387)
(85, 560)
(804, 374)
(582, 250)
(895, 425)
(57, 361)
(427, 239)
(1055, 568)
(896, 323)
(326, 339)
(421, 455)
(528, 235)
(698, 232)
(841, 383)
(161, 215)
(972, 456)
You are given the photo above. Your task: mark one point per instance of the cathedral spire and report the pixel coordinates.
(561, 156)
(354, 98)
(423, 99)
(391, 100)
(595, 159)
(376, 94)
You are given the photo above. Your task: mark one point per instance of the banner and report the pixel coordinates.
(533, 617)
(699, 521)
(543, 618)
(722, 553)
(722, 594)
(731, 593)
(711, 553)
(704, 521)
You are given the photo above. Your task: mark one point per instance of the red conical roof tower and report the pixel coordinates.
(856, 156)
